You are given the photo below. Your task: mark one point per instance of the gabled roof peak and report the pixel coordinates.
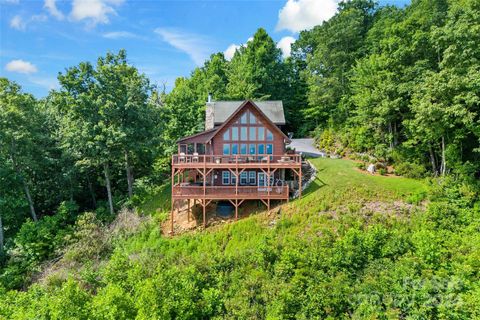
(222, 110)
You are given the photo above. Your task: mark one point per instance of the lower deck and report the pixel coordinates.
(231, 192)
(203, 186)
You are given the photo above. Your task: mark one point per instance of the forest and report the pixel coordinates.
(84, 171)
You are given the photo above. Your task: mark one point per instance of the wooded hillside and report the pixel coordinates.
(402, 85)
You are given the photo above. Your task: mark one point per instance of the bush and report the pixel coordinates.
(361, 165)
(382, 171)
(410, 170)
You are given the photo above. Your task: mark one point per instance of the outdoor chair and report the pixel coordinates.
(182, 157)
(195, 157)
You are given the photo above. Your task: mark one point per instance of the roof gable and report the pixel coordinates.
(222, 110)
(239, 109)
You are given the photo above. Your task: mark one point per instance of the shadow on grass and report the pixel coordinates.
(314, 186)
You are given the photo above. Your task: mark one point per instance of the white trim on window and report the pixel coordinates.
(243, 178)
(252, 177)
(226, 177)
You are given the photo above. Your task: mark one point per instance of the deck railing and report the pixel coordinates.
(234, 159)
(243, 191)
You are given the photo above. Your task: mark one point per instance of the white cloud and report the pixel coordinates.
(119, 35)
(94, 11)
(285, 45)
(196, 46)
(51, 6)
(298, 15)
(230, 51)
(21, 66)
(18, 23)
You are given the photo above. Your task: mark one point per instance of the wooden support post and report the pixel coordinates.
(300, 181)
(236, 209)
(188, 210)
(204, 214)
(268, 206)
(236, 182)
(171, 216)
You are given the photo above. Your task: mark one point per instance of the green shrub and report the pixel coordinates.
(417, 198)
(410, 170)
(361, 165)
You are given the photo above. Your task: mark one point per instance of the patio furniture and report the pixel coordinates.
(285, 160)
(195, 157)
(182, 157)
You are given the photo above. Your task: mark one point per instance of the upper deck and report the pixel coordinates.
(189, 161)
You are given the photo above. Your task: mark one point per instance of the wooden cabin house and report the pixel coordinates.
(242, 155)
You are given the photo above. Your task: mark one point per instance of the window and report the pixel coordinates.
(252, 148)
(253, 120)
(225, 177)
(226, 135)
(243, 178)
(201, 148)
(190, 148)
(243, 148)
(252, 134)
(269, 148)
(243, 134)
(233, 179)
(243, 118)
(261, 133)
(261, 149)
(234, 133)
(226, 148)
(269, 135)
(252, 177)
(183, 148)
(234, 148)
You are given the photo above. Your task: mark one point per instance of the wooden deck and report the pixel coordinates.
(231, 192)
(236, 161)
(206, 165)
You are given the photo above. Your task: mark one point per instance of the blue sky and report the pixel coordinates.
(164, 39)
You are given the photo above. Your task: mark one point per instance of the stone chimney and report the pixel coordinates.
(209, 114)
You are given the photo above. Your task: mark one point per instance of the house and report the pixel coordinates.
(242, 155)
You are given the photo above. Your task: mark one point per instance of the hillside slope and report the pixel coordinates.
(353, 246)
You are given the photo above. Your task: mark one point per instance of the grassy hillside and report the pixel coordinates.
(353, 247)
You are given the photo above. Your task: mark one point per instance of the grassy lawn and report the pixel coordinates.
(339, 181)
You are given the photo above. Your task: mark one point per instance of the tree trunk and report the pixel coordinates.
(92, 194)
(390, 131)
(444, 162)
(1, 235)
(30, 201)
(128, 170)
(433, 161)
(109, 188)
(26, 189)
